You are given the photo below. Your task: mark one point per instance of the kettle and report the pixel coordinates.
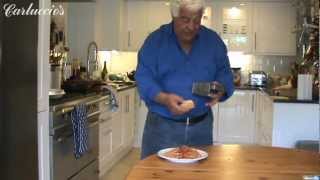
(131, 75)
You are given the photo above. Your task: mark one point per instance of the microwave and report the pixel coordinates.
(257, 78)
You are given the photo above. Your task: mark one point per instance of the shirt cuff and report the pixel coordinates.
(228, 91)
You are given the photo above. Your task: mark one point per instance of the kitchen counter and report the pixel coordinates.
(74, 98)
(283, 96)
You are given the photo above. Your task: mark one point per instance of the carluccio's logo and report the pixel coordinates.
(11, 9)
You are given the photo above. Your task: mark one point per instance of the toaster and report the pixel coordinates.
(257, 78)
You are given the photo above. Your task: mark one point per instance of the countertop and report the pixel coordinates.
(282, 96)
(241, 162)
(76, 97)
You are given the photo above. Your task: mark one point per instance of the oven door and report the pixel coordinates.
(64, 164)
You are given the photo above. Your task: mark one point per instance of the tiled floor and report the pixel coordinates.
(120, 170)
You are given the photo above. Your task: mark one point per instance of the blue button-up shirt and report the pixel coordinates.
(163, 66)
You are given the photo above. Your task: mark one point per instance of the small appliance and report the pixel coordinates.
(257, 78)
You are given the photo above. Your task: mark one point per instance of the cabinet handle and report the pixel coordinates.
(255, 40)
(129, 38)
(127, 103)
(252, 104)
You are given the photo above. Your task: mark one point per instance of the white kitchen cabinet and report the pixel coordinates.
(143, 17)
(117, 130)
(141, 116)
(293, 122)
(109, 23)
(273, 24)
(137, 30)
(158, 14)
(235, 121)
(264, 119)
(235, 25)
(128, 116)
(105, 142)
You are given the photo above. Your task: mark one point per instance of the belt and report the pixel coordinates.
(192, 120)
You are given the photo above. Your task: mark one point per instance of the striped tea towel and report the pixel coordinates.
(80, 130)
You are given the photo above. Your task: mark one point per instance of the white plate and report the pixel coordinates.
(203, 155)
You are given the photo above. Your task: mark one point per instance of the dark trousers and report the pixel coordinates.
(160, 132)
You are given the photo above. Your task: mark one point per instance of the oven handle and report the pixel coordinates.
(53, 130)
(67, 109)
(63, 138)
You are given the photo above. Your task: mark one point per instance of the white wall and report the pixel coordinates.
(118, 62)
(81, 26)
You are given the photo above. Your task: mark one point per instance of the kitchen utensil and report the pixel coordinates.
(206, 88)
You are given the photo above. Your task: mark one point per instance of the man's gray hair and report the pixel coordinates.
(193, 5)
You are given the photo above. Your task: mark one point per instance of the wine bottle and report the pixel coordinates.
(104, 72)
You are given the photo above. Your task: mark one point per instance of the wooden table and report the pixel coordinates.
(233, 162)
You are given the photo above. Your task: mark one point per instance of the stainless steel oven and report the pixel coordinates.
(64, 165)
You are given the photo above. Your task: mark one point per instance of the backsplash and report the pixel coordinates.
(272, 65)
(118, 61)
(121, 61)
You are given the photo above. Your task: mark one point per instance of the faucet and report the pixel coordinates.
(92, 56)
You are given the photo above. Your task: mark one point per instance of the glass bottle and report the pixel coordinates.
(104, 72)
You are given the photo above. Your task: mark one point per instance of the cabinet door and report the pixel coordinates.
(236, 118)
(117, 138)
(236, 26)
(158, 14)
(215, 111)
(43, 58)
(109, 24)
(137, 24)
(105, 144)
(141, 116)
(127, 115)
(273, 24)
(266, 121)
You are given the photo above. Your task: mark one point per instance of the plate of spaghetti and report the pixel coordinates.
(182, 154)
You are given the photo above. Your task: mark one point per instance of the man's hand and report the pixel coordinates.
(172, 101)
(217, 93)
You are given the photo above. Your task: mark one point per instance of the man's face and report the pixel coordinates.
(187, 24)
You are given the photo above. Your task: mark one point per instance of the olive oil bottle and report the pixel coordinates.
(104, 72)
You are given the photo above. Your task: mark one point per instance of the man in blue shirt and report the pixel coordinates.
(171, 59)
